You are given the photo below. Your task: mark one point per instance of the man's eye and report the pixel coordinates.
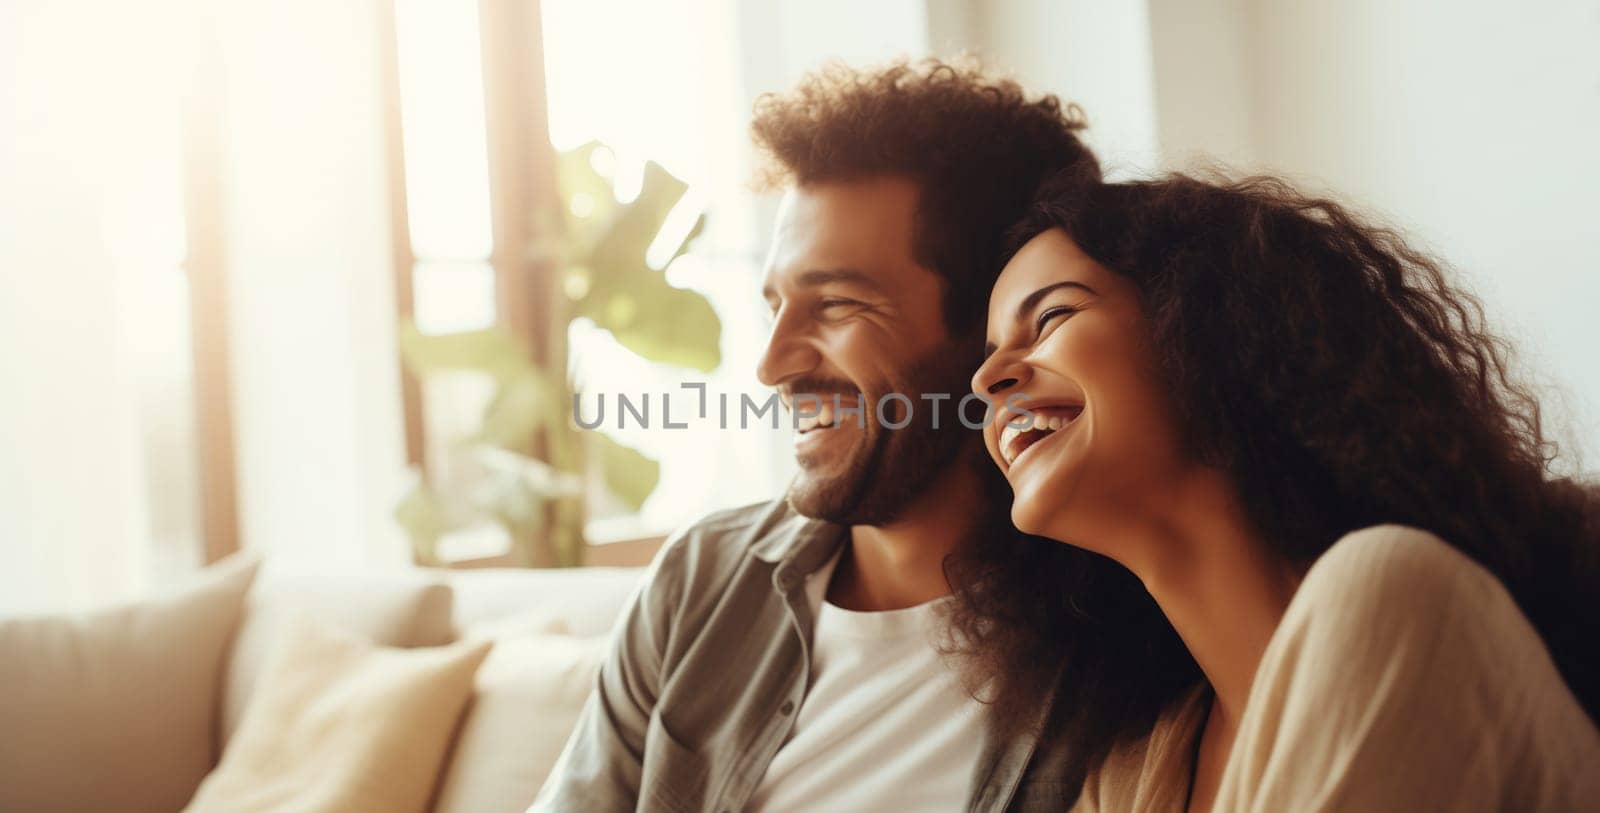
(1052, 313)
(835, 303)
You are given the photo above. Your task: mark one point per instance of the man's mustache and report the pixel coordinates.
(822, 387)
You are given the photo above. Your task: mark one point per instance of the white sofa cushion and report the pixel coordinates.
(527, 699)
(401, 608)
(115, 710)
(581, 601)
(338, 723)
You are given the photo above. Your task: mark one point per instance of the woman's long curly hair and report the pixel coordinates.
(1341, 380)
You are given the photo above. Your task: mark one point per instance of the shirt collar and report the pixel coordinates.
(802, 543)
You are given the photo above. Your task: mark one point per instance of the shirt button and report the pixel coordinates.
(788, 708)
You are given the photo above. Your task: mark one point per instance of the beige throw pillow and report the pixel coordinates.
(338, 723)
(114, 710)
(392, 609)
(529, 694)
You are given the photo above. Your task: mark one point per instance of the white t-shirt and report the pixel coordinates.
(885, 723)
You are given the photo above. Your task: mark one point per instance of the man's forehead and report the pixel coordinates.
(876, 201)
(862, 227)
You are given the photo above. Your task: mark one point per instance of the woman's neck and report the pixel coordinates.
(1219, 583)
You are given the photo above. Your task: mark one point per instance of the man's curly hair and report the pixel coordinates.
(977, 148)
(1341, 380)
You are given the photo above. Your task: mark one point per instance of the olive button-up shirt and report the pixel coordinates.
(710, 662)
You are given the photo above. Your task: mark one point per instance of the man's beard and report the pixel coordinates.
(896, 466)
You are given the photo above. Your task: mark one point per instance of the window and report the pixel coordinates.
(653, 90)
(664, 87)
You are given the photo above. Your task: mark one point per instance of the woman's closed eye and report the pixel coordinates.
(1051, 314)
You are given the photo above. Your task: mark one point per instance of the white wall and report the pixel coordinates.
(1204, 60)
(1472, 125)
(1094, 53)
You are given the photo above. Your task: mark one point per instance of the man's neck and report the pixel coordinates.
(901, 564)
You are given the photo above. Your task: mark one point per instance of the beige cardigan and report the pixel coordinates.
(1402, 677)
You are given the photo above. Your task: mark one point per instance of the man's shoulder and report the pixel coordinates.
(733, 522)
(769, 530)
(729, 552)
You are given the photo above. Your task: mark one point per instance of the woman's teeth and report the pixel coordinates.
(1015, 438)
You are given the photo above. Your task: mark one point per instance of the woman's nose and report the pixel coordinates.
(997, 375)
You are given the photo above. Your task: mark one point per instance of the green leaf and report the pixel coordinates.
(516, 490)
(675, 327)
(614, 285)
(628, 474)
(521, 405)
(507, 472)
(491, 350)
(589, 198)
(425, 518)
(619, 255)
(599, 247)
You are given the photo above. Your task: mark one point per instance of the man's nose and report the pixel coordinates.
(789, 352)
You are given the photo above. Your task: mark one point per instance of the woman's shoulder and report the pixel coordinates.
(1392, 589)
(1386, 567)
(1152, 772)
(1400, 657)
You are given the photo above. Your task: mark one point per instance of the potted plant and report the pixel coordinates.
(527, 467)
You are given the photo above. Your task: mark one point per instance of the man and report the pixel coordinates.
(787, 655)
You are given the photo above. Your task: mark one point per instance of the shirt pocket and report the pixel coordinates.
(674, 775)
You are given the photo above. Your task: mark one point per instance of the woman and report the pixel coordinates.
(1297, 435)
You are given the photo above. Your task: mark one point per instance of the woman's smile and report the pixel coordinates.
(1022, 433)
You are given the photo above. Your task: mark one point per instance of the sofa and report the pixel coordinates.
(261, 687)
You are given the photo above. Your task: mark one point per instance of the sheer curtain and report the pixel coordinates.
(96, 474)
(312, 317)
(98, 481)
